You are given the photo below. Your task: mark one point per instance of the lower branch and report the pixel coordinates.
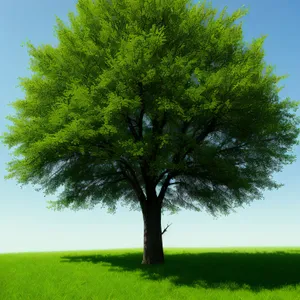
(165, 229)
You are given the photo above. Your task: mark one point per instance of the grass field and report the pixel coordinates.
(227, 273)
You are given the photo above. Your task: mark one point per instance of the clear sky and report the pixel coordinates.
(27, 225)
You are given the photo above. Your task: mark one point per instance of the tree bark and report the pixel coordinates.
(153, 246)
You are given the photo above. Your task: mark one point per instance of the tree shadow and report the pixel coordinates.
(231, 270)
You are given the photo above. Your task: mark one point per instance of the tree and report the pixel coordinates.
(157, 104)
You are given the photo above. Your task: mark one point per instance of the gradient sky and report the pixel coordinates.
(27, 225)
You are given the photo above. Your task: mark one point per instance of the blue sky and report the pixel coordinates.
(27, 225)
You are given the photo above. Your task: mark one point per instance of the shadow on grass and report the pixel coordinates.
(232, 270)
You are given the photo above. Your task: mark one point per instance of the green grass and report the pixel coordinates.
(227, 273)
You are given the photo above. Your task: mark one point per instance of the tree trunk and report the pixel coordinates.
(153, 246)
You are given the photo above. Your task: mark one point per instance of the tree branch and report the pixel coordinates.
(86, 187)
(160, 177)
(138, 135)
(132, 130)
(144, 164)
(177, 182)
(171, 174)
(165, 229)
(164, 187)
(238, 147)
(133, 181)
(210, 128)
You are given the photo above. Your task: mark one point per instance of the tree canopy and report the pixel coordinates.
(144, 99)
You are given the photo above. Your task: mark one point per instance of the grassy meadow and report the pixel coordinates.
(212, 274)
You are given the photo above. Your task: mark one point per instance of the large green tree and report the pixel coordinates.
(158, 104)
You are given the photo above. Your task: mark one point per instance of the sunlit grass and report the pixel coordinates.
(227, 273)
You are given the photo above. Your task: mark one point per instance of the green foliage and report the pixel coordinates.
(113, 111)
